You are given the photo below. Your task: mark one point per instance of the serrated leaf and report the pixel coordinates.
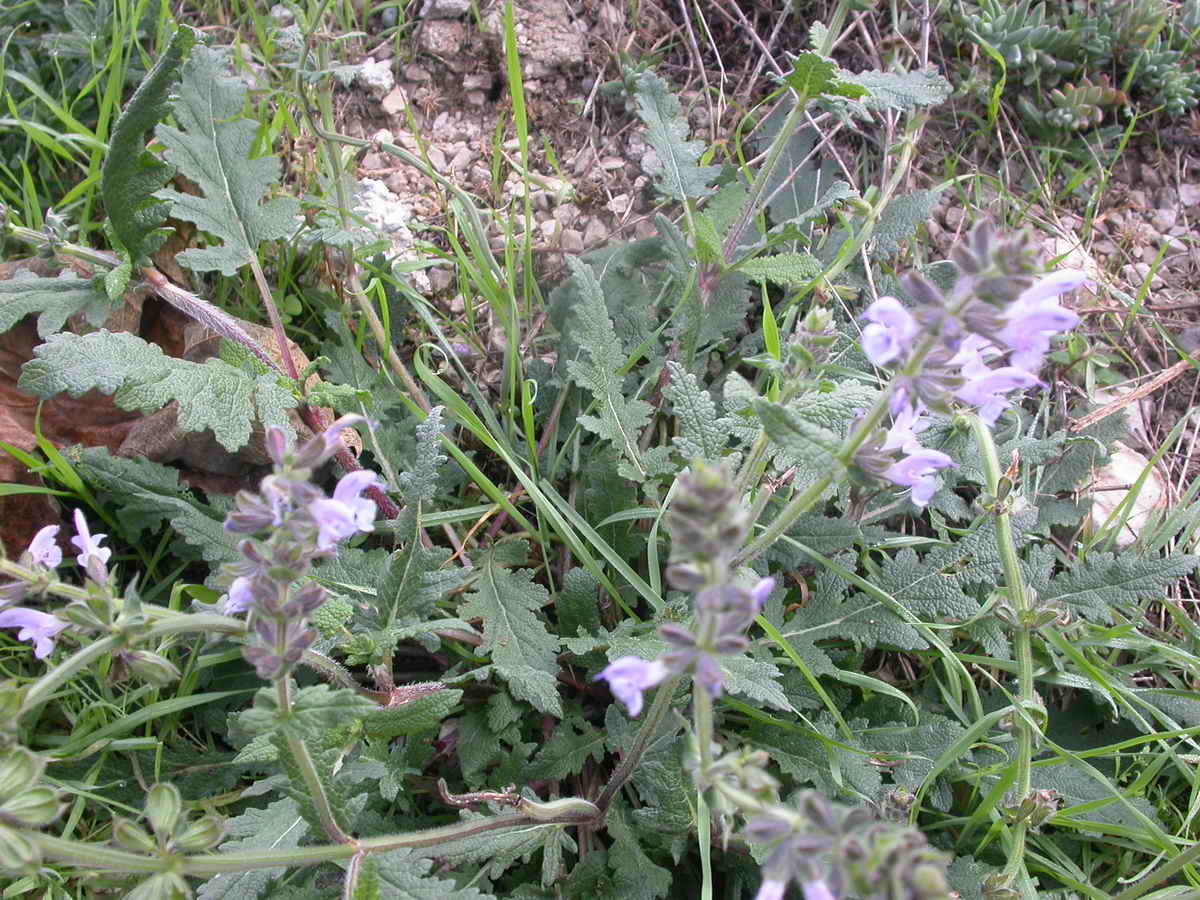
(703, 434)
(415, 578)
(141, 377)
(54, 300)
(212, 148)
(635, 875)
(925, 592)
(404, 875)
(315, 710)
(861, 619)
(620, 420)
(1090, 588)
(904, 91)
(787, 269)
(150, 493)
(1076, 788)
(419, 483)
(414, 717)
(911, 750)
(813, 75)
(277, 827)
(131, 174)
(901, 219)
(524, 652)
(576, 606)
(800, 438)
(757, 679)
(838, 772)
(573, 743)
(667, 129)
(498, 849)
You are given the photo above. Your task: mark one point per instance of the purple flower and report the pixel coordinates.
(39, 627)
(87, 543)
(890, 333)
(817, 890)
(628, 676)
(771, 889)
(909, 421)
(324, 445)
(44, 548)
(347, 512)
(761, 591)
(1036, 316)
(918, 471)
(241, 596)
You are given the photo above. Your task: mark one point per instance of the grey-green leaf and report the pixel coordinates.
(131, 174)
(140, 376)
(680, 176)
(212, 148)
(53, 300)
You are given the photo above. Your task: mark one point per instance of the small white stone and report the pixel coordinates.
(376, 77)
(395, 102)
(1189, 194)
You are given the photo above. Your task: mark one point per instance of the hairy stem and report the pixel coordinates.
(1022, 644)
(658, 711)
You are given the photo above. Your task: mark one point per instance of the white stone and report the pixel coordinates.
(376, 77)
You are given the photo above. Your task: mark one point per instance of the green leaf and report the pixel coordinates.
(131, 174)
(910, 752)
(150, 493)
(523, 651)
(576, 605)
(212, 148)
(315, 711)
(1092, 587)
(861, 619)
(415, 578)
(703, 434)
(419, 483)
(573, 743)
(1106, 803)
(419, 715)
(635, 875)
(901, 219)
(54, 300)
(498, 850)
(813, 75)
(680, 178)
(787, 269)
(840, 773)
(757, 679)
(277, 827)
(212, 394)
(619, 420)
(801, 438)
(904, 91)
(404, 875)
(925, 592)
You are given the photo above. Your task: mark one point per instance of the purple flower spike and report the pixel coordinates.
(890, 333)
(44, 548)
(628, 676)
(771, 889)
(347, 512)
(987, 389)
(240, 598)
(918, 471)
(87, 543)
(39, 627)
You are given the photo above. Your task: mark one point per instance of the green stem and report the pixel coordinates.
(1158, 876)
(1022, 644)
(40, 691)
(570, 811)
(658, 711)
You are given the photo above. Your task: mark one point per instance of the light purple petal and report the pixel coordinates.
(1054, 285)
(986, 386)
(352, 484)
(44, 548)
(908, 423)
(891, 330)
(817, 890)
(38, 627)
(771, 889)
(879, 346)
(87, 543)
(240, 598)
(761, 591)
(628, 676)
(918, 471)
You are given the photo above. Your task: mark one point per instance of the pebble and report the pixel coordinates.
(414, 72)
(462, 159)
(445, 9)
(1164, 219)
(1137, 273)
(1189, 194)
(376, 77)
(1137, 199)
(619, 204)
(395, 102)
(476, 98)
(953, 217)
(571, 241)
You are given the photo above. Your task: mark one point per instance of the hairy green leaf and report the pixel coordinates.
(814, 75)
(212, 394)
(54, 300)
(523, 651)
(900, 90)
(1092, 587)
(680, 178)
(212, 148)
(417, 715)
(150, 493)
(703, 433)
(277, 827)
(619, 420)
(901, 219)
(787, 269)
(404, 875)
(799, 437)
(573, 743)
(419, 483)
(131, 174)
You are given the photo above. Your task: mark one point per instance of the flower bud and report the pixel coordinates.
(19, 768)
(203, 834)
(152, 668)
(132, 836)
(17, 853)
(928, 882)
(33, 808)
(164, 806)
